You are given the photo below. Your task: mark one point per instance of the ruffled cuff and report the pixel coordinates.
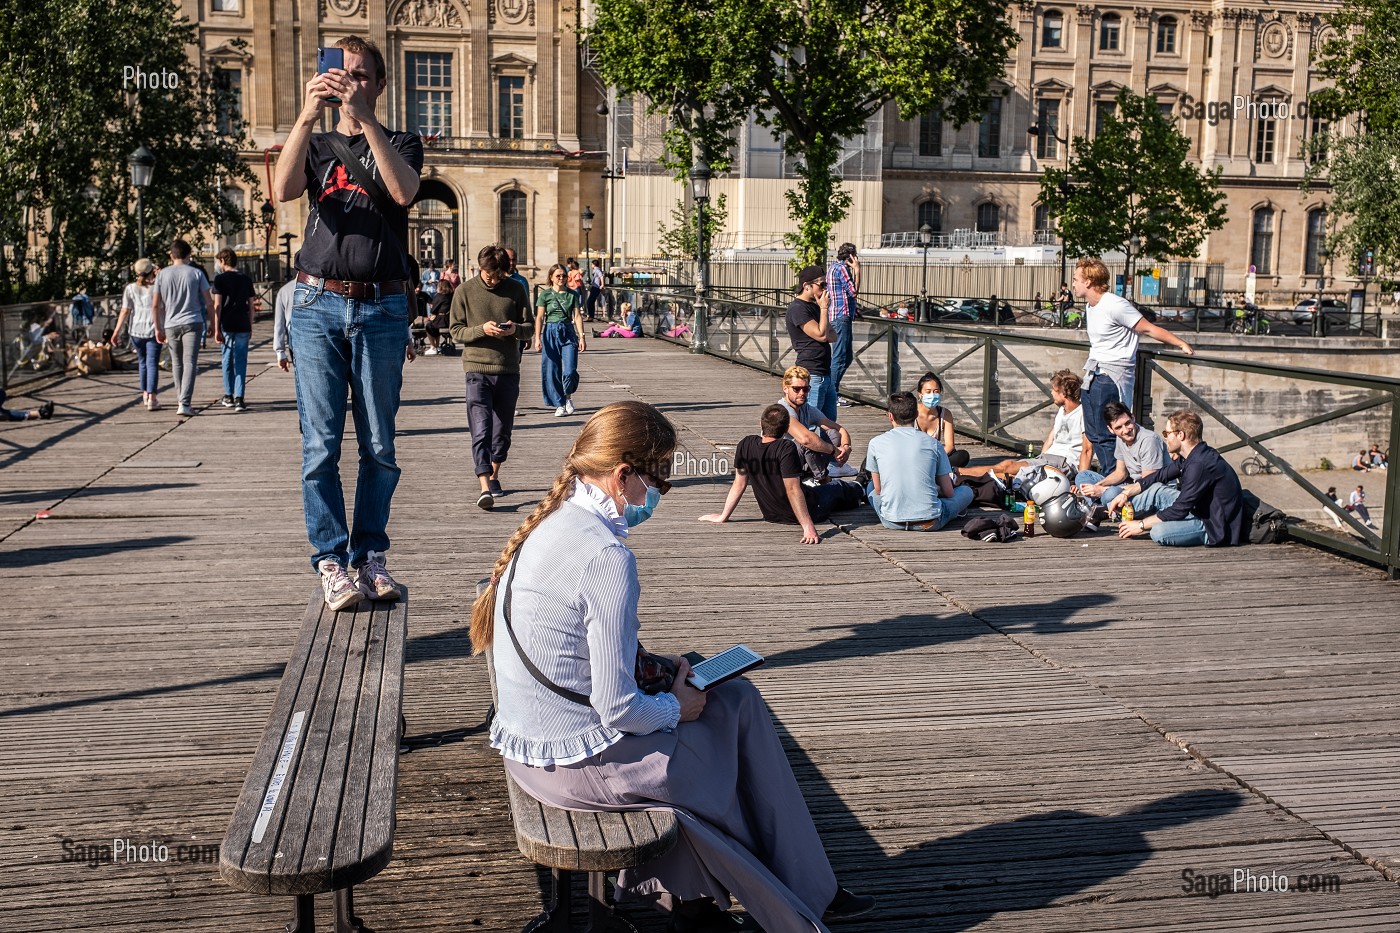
(541, 753)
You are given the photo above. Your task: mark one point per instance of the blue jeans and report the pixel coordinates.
(823, 395)
(1188, 532)
(147, 362)
(559, 366)
(1099, 393)
(345, 343)
(949, 509)
(235, 363)
(840, 354)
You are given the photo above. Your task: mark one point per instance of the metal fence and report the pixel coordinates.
(36, 340)
(1279, 426)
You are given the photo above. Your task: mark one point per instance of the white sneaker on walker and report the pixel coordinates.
(560, 412)
(568, 406)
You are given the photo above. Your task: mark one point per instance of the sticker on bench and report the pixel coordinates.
(279, 776)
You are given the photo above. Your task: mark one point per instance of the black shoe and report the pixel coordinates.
(494, 487)
(704, 916)
(227, 401)
(845, 904)
(486, 500)
(238, 403)
(46, 410)
(863, 477)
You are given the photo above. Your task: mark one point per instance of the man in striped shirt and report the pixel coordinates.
(842, 283)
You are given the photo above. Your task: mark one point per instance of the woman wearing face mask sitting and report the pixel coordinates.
(569, 584)
(935, 420)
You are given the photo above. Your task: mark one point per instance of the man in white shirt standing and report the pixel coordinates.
(1113, 325)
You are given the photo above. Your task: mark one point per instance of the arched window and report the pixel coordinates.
(1109, 30)
(988, 218)
(515, 224)
(931, 213)
(1166, 34)
(1262, 249)
(1052, 29)
(1317, 234)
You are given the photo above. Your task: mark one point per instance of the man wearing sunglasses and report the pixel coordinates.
(811, 334)
(825, 445)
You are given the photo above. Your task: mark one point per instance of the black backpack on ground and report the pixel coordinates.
(1267, 525)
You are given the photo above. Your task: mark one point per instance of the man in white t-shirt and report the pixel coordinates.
(1066, 446)
(1113, 325)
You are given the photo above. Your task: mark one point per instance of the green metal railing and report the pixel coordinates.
(996, 386)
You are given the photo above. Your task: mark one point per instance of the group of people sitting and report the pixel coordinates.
(1182, 491)
(1367, 460)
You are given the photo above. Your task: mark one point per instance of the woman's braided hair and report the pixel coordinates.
(629, 432)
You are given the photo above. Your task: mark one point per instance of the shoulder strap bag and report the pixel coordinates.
(372, 185)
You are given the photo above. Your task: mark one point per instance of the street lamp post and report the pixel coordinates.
(1037, 131)
(1134, 245)
(700, 189)
(269, 219)
(1323, 254)
(925, 240)
(143, 164)
(587, 218)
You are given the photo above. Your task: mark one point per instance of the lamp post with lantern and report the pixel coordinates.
(700, 190)
(269, 219)
(143, 165)
(925, 241)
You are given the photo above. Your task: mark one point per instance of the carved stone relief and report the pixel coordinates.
(437, 14)
(345, 9)
(1275, 41)
(511, 12)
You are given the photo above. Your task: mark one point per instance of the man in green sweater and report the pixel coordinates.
(490, 319)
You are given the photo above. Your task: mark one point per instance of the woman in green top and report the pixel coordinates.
(559, 336)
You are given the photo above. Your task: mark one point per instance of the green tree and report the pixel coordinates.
(1133, 179)
(1361, 166)
(72, 113)
(813, 72)
(678, 239)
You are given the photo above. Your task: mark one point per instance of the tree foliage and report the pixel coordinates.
(70, 123)
(1133, 179)
(1361, 166)
(679, 240)
(814, 72)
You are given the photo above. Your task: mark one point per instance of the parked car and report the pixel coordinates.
(1303, 312)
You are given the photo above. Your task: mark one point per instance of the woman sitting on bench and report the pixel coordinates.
(569, 583)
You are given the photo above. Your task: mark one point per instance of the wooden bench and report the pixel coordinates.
(592, 841)
(316, 813)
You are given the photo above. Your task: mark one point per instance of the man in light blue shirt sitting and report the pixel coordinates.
(911, 482)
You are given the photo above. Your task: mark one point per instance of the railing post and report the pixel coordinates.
(1392, 495)
(892, 360)
(773, 356)
(5, 362)
(991, 392)
(1141, 402)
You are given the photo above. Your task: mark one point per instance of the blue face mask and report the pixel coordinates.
(634, 515)
(932, 399)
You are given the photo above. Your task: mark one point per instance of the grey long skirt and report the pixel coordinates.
(744, 827)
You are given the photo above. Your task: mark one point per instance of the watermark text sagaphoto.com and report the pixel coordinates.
(1249, 881)
(138, 852)
(1240, 107)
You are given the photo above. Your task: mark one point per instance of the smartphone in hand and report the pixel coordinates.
(326, 59)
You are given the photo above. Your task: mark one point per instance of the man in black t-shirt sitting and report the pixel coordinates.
(349, 322)
(772, 465)
(233, 325)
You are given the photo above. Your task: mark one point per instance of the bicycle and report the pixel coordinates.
(1249, 320)
(1254, 466)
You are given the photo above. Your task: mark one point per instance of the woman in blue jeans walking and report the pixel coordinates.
(559, 337)
(141, 327)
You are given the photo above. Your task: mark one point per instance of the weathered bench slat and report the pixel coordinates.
(350, 821)
(377, 835)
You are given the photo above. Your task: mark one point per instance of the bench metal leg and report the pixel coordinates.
(345, 919)
(601, 916)
(303, 915)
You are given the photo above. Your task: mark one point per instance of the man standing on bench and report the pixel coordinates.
(349, 323)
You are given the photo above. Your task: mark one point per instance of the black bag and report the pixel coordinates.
(1267, 525)
(992, 528)
(989, 491)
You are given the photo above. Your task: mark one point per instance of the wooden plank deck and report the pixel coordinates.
(1032, 737)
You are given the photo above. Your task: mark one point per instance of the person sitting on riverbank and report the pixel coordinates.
(1379, 461)
(911, 482)
(1361, 463)
(771, 463)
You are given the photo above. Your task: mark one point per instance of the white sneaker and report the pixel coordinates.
(185, 412)
(430, 351)
(560, 412)
(374, 581)
(340, 591)
(568, 406)
(837, 471)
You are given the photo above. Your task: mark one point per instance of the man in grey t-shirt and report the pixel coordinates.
(181, 302)
(1136, 454)
(825, 445)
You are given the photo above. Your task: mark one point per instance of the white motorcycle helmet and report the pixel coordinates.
(1050, 484)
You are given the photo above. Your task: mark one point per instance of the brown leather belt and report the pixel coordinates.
(353, 289)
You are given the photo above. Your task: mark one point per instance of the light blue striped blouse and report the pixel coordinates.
(574, 611)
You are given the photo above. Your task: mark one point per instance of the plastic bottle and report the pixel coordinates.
(1032, 515)
(1127, 513)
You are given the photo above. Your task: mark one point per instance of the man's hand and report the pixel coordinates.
(1118, 502)
(160, 335)
(692, 701)
(843, 453)
(409, 353)
(823, 300)
(1131, 529)
(715, 517)
(809, 534)
(218, 335)
(284, 364)
(354, 99)
(1092, 490)
(1186, 348)
(493, 329)
(318, 89)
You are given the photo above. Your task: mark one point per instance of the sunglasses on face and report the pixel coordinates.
(799, 388)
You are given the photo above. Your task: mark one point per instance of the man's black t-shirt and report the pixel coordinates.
(236, 306)
(812, 354)
(766, 466)
(346, 235)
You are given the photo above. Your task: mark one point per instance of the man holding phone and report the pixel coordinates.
(349, 319)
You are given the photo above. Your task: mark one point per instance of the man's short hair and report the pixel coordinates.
(228, 257)
(793, 373)
(845, 251)
(365, 47)
(493, 259)
(1188, 423)
(1094, 271)
(775, 421)
(904, 408)
(180, 249)
(1114, 410)
(809, 275)
(1068, 382)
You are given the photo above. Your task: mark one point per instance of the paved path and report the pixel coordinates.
(1030, 737)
